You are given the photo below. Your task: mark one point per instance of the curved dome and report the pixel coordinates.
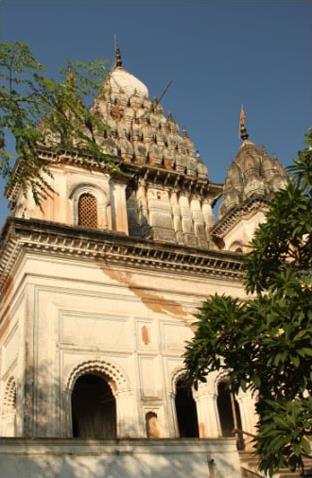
(121, 81)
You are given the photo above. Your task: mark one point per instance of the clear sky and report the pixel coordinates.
(218, 54)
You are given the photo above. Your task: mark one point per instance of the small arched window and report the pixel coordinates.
(87, 211)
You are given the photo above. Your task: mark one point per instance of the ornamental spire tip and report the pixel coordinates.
(118, 59)
(242, 125)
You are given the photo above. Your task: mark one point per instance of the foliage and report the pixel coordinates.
(37, 111)
(265, 342)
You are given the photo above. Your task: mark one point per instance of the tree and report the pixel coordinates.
(265, 342)
(38, 112)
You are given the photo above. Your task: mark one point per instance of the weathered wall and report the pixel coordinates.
(132, 324)
(119, 459)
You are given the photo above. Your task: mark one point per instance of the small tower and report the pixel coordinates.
(251, 181)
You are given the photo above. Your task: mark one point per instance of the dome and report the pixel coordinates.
(121, 81)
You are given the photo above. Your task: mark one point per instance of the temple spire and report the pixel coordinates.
(242, 125)
(118, 59)
(70, 76)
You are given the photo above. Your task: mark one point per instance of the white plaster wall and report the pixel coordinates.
(12, 318)
(242, 233)
(126, 459)
(85, 310)
(61, 205)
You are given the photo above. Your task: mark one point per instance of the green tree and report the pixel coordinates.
(38, 112)
(265, 342)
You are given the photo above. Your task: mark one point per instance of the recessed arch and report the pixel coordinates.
(228, 409)
(97, 381)
(93, 407)
(101, 203)
(176, 374)
(184, 404)
(236, 246)
(116, 377)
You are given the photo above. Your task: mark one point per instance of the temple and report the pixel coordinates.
(99, 287)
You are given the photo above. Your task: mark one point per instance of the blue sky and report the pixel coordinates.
(218, 54)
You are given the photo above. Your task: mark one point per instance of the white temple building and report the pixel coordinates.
(99, 288)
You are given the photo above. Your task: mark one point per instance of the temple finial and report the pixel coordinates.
(118, 59)
(242, 125)
(70, 76)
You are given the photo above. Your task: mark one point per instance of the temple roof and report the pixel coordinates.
(253, 173)
(140, 133)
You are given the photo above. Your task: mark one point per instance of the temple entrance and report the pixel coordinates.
(186, 410)
(229, 413)
(93, 408)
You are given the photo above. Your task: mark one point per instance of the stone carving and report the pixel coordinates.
(125, 107)
(253, 173)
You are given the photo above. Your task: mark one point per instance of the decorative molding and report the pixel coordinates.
(233, 216)
(100, 367)
(9, 397)
(22, 235)
(127, 173)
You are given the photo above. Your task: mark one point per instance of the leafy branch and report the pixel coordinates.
(37, 111)
(265, 343)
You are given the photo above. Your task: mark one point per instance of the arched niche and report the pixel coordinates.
(237, 246)
(151, 425)
(229, 412)
(104, 382)
(96, 200)
(185, 408)
(93, 408)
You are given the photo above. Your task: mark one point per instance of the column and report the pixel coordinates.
(187, 221)
(249, 417)
(207, 413)
(142, 201)
(120, 207)
(127, 414)
(198, 220)
(208, 217)
(176, 215)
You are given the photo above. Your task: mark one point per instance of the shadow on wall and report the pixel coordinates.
(83, 457)
(114, 459)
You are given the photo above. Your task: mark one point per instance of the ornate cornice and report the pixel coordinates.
(234, 215)
(123, 171)
(32, 235)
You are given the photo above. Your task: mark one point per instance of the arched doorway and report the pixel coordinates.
(229, 414)
(186, 410)
(93, 408)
